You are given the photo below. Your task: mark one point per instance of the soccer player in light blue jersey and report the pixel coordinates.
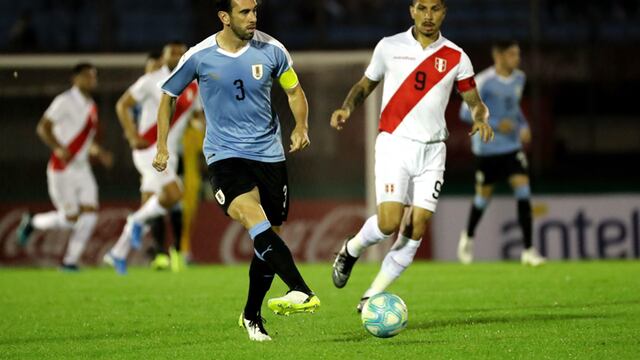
(235, 69)
(501, 88)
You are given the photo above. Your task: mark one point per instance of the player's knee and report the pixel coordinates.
(389, 224)
(522, 192)
(71, 219)
(480, 201)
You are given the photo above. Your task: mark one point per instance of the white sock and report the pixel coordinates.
(394, 263)
(149, 210)
(82, 231)
(368, 235)
(122, 247)
(50, 220)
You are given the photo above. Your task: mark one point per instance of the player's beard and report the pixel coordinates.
(241, 33)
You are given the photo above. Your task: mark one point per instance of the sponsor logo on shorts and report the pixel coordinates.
(220, 197)
(389, 188)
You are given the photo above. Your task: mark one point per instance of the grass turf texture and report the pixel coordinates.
(494, 310)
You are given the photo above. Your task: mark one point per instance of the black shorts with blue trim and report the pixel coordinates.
(233, 177)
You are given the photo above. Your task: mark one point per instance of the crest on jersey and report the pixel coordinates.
(256, 71)
(441, 64)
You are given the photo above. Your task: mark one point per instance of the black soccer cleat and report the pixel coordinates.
(25, 229)
(342, 266)
(361, 304)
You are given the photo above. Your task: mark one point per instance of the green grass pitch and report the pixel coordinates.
(570, 310)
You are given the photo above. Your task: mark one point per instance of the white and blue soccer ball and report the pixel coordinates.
(384, 315)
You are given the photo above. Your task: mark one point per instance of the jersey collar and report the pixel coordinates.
(435, 44)
(230, 54)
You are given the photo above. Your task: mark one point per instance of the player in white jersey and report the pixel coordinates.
(68, 127)
(160, 190)
(419, 68)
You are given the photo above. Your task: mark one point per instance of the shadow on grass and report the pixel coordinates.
(482, 320)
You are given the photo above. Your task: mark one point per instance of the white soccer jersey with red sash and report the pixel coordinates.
(75, 121)
(418, 84)
(147, 93)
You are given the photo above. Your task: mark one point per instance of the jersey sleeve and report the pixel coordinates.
(376, 69)
(182, 75)
(283, 61)
(56, 111)
(140, 89)
(464, 78)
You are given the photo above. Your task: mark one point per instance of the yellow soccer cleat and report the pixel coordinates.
(294, 302)
(177, 260)
(160, 262)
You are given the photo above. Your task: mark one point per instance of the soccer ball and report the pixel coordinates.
(384, 315)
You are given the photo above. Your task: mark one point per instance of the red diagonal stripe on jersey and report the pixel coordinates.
(183, 104)
(78, 142)
(409, 93)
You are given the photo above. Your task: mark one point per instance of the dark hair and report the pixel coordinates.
(154, 55)
(502, 45)
(223, 5)
(175, 42)
(444, 2)
(80, 67)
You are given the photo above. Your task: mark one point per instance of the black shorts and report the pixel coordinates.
(495, 168)
(235, 176)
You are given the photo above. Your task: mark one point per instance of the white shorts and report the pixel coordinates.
(151, 180)
(408, 171)
(71, 188)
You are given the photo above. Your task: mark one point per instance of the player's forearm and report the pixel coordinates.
(358, 94)
(299, 107)
(126, 120)
(465, 114)
(45, 133)
(165, 112)
(480, 112)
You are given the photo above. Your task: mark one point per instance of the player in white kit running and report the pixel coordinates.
(68, 127)
(160, 190)
(420, 68)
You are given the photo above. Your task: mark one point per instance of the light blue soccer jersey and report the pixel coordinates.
(502, 96)
(235, 89)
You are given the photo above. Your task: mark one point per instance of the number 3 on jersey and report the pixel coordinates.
(240, 86)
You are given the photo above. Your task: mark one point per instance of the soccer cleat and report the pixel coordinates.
(70, 268)
(361, 304)
(119, 264)
(177, 260)
(531, 257)
(294, 302)
(255, 328)
(465, 248)
(342, 266)
(160, 262)
(25, 228)
(136, 234)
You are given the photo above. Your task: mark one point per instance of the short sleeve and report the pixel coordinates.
(376, 69)
(56, 111)
(182, 75)
(283, 61)
(140, 89)
(465, 70)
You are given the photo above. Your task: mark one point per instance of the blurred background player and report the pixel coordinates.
(154, 62)
(419, 68)
(243, 146)
(68, 128)
(161, 191)
(501, 87)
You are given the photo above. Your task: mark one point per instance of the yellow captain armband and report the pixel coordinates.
(288, 79)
